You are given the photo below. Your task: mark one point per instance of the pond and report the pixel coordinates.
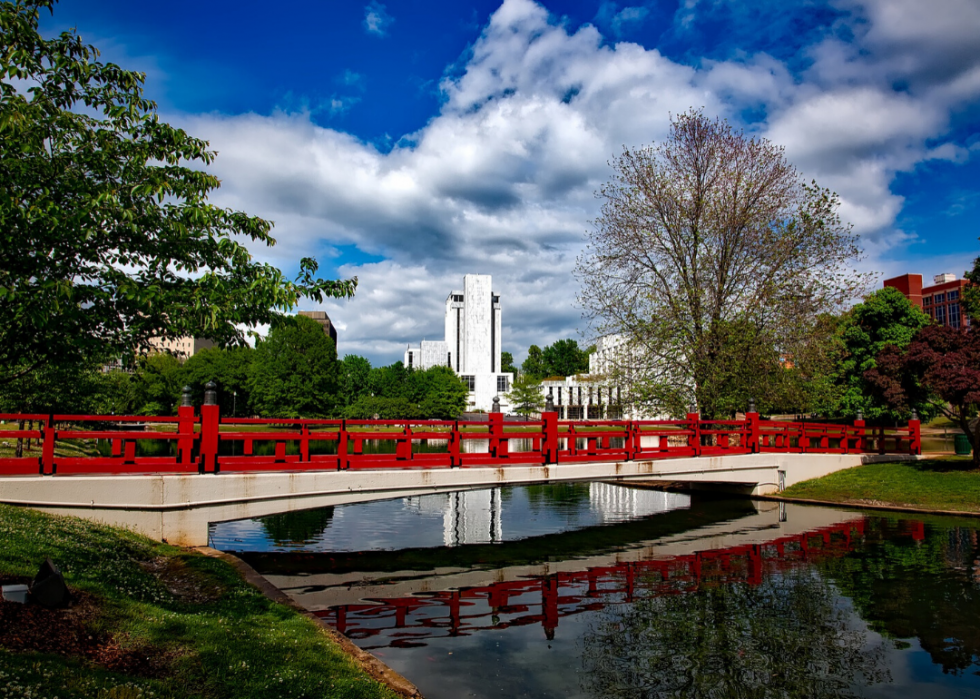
(596, 590)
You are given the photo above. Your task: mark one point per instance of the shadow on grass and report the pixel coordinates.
(946, 464)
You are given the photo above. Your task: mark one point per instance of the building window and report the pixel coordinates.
(502, 386)
(939, 298)
(941, 315)
(953, 296)
(927, 301)
(411, 357)
(954, 315)
(458, 298)
(470, 382)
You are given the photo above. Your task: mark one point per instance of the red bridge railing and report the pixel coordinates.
(206, 442)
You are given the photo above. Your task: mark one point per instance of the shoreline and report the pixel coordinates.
(887, 507)
(368, 662)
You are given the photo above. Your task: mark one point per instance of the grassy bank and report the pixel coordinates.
(151, 620)
(947, 483)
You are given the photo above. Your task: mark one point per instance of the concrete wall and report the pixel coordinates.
(178, 508)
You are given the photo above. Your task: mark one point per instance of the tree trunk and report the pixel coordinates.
(975, 440)
(20, 440)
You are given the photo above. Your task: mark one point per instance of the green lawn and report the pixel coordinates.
(153, 620)
(948, 483)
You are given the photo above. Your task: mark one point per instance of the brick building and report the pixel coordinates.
(942, 301)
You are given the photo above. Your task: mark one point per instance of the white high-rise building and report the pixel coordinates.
(472, 344)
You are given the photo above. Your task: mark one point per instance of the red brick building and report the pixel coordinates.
(942, 300)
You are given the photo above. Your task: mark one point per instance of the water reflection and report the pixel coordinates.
(725, 598)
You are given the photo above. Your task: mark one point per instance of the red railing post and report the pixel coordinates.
(752, 429)
(403, 448)
(455, 446)
(859, 427)
(343, 463)
(496, 430)
(185, 427)
(632, 440)
(47, 450)
(550, 446)
(915, 434)
(694, 439)
(210, 427)
(304, 443)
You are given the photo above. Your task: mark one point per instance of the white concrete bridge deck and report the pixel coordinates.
(179, 508)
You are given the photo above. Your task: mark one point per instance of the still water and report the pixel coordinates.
(600, 591)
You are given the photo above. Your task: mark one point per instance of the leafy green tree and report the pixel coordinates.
(711, 227)
(525, 395)
(228, 368)
(353, 379)
(156, 385)
(389, 381)
(534, 365)
(885, 318)
(507, 363)
(565, 358)
(438, 392)
(971, 294)
(294, 371)
(107, 239)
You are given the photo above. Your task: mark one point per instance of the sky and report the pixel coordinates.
(409, 143)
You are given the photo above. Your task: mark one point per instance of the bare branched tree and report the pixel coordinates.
(704, 237)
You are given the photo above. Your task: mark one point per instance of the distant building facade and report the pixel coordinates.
(942, 301)
(324, 320)
(472, 343)
(181, 347)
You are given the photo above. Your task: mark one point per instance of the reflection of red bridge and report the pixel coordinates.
(406, 622)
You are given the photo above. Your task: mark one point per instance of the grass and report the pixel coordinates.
(208, 633)
(948, 483)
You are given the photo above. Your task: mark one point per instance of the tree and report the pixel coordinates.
(971, 294)
(294, 371)
(564, 358)
(507, 363)
(534, 364)
(389, 381)
(885, 318)
(353, 378)
(397, 408)
(525, 395)
(940, 367)
(228, 368)
(709, 228)
(107, 239)
(439, 393)
(157, 385)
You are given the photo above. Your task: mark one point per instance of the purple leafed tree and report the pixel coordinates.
(940, 366)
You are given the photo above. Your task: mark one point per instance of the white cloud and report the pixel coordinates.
(376, 19)
(501, 181)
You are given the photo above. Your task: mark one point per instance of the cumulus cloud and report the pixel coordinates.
(501, 181)
(376, 19)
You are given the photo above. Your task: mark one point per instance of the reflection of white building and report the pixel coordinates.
(476, 516)
(472, 344)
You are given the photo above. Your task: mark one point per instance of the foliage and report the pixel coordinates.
(525, 395)
(67, 389)
(157, 385)
(708, 231)
(294, 371)
(439, 393)
(353, 379)
(507, 363)
(389, 381)
(971, 294)
(534, 365)
(228, 368)
(564, 358)
(107, 238)
(940, 368)
(212, 634)
(885, 318)
(395, 408)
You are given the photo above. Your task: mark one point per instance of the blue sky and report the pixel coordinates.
(409, 143)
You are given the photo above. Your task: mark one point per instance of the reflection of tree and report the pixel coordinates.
(925, 589)
(785, 637)
(298, 527)
(557, 494)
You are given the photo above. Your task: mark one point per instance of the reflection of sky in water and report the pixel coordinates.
(482, 516)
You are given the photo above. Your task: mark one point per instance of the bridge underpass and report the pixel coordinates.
(179, 507)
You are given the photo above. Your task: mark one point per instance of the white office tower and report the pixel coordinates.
(472, 517)
(613, 503)
(472, 345)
